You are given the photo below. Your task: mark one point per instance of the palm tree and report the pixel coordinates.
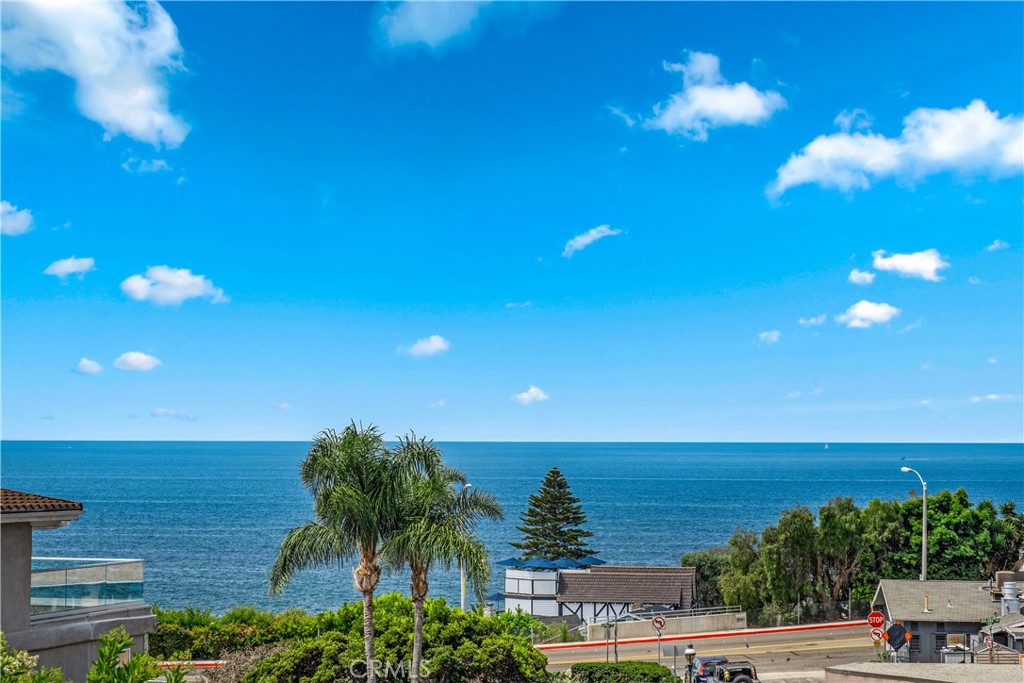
(441, 515)
(359, 504)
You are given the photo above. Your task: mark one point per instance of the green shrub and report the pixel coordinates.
(623, 672)
(107, 668)
(18, 666)
(170, 638)
(457, 646)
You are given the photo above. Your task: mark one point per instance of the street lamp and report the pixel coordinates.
(924, 522)
(689, 653)
(462, 566)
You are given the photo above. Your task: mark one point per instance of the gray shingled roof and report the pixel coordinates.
(948, 601)
(644, 585)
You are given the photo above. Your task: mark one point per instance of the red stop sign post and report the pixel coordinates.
(876, 619)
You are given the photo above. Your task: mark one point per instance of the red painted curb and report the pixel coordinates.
(703, 636)
(209, 664)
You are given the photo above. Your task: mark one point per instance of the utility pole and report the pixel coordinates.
(616, 640)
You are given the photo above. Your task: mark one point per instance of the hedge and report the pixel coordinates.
(623, 672)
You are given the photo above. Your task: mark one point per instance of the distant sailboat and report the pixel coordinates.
(826, 445)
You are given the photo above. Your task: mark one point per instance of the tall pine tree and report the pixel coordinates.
(552, 524)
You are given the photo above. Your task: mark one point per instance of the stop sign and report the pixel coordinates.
(876, 619)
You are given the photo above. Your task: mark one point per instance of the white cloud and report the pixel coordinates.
(164, 285)
(70, 266)
(861, 277)
(992, 397)
(87, 366)
(708, 101)
(794, 394)
(439, 403)
(582, 241)
(968, 141)
(630, 121)
(430, 346)
(519, 304)
(176, 414)
(853, 119)
(922, 264)
(283, 405)
(997, 245)
(135, 165)
(531, 395)
(117, 54)
(14, 221)
(813, 320)
(993, 361)
(136, 360)
(429, 23)
(769, 337)
(864, 314)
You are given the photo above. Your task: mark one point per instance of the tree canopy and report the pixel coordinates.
(845, 550)
(553, 523)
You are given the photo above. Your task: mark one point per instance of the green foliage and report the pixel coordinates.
(457, 646)
(743, 581)
(190, 617)
(107, 667)
(174, 674)
(709, 564)
(850, 549)
(789, 554)
(18, 666)
(552, 524)
(623, 672)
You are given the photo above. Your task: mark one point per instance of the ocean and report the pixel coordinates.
(208, 517)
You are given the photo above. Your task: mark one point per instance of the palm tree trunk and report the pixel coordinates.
(371, 671)
(417, 640)
(418, 590)
(366, 576)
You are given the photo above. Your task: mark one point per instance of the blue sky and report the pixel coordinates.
(662, 221)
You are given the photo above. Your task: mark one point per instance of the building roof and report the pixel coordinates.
(948, 601)
(12, 501)
(644, 585)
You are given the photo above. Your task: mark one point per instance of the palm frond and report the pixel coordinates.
(312, 544)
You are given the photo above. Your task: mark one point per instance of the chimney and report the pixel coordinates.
(1010, 602)
(926, 604)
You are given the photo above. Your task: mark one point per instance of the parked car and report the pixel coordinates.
(734, 672)
(704, 666)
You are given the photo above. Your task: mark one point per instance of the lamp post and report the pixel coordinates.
(462, 566)
(689, 652)
(924, 522)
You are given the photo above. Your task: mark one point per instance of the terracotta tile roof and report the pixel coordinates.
(12, 501)
(644, 585)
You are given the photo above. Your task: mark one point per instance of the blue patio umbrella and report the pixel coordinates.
(495, 597)
(590, 560)
(510, 562)
(539, 563)
(566, 563)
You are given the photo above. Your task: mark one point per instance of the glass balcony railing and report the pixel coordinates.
(71, 583)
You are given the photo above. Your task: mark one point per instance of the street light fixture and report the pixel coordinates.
(462, 566)
(924, 522)
(689, 653)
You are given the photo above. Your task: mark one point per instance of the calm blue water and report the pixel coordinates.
(208, 517)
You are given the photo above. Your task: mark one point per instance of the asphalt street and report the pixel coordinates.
(780, 657)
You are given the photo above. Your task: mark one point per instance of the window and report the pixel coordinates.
(940, 641)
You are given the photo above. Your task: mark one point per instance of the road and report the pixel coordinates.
(780, 656)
